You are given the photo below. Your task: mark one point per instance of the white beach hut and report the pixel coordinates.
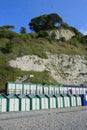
(24, 102)
(3, 103)
(12, 103)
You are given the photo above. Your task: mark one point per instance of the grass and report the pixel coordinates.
(11, 74)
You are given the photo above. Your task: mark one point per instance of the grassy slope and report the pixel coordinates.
(24, 45)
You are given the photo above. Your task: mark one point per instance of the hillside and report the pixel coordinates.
(49, 59)
(65, 69)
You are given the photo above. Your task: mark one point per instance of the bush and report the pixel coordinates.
(43, 34)
(62, 39)
(7, 48)
(25, 37)
(33, 35)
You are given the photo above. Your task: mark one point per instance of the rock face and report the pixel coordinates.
(66, 69)
(62, 33)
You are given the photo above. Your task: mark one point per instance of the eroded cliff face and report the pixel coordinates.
(62, 33)
(66, 69)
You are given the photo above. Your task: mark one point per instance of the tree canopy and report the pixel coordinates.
(45, 22)
(23, 30)
(7, 27)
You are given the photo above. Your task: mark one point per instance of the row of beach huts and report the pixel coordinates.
(36, 102)
(26, 97)
(29, 88)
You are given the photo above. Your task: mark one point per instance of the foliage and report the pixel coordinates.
(25, 37)
(13, 45)
(33, 35)
(83, 40)
(62, 39)
(45, 22)
(4, 33)
(79, 38)
(23, 30)
(43, 34)
(7, 48)
(7, 27)
(10, 74)
(41, 78)
(65, 25)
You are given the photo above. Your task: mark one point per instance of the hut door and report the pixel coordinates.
(66, 102)
(60, 102)
(27, 104)
(73, 100)
(79, 101)
(23, 104)
(44, 103)
(35, 104)
(52, 103)
(3, 105)
(13, 104)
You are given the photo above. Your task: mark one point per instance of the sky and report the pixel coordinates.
(20, 12)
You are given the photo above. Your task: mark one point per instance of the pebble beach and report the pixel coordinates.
(74, 118)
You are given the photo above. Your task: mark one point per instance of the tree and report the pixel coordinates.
(42, 34)
(7, 27)
(23, 30)
(5, 31)
(45, 22)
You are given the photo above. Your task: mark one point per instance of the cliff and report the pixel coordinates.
(59, 33)
(65, 69)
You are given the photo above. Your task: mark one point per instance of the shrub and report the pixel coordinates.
(63, 39)
(43, 34)
(7, 48)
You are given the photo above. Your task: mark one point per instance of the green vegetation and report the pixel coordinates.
(23, 30)
(13, 45)
(10, 74)
(45, 22)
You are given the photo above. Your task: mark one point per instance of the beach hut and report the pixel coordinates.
(66, 100)
(24, 103)
(72, 100)
(77, 89)
(51, 101)
(26, 88)
(10, 88)
(39, 89)
(56, 89)
(33, 89)
(3, 103)
(61, 89)
(84, 99)
(59, 101)
(65, 90)
(45, 89)
(51, 89)
(78, 100)
(84, 90)
(43, 101)
(34, 102)
(12, 103)
(81, 90)
(18, 88)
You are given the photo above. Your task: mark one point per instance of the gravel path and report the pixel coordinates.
(74, 118)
